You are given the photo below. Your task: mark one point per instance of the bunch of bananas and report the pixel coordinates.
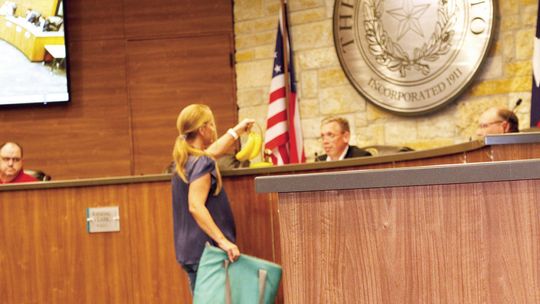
(251, 148)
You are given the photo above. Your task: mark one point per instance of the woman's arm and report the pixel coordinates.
(222, 144)
(197, 195)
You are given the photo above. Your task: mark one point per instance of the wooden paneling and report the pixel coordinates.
(92, 136)
(157, 277)
(457, 158)
(94, 20)
(167, 75)
(510, 152)
(480, 155)
(48, 257)
(467, 243)
(503, 152)
(254, 216)
(172, 17)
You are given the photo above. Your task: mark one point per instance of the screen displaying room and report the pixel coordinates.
(33, 65)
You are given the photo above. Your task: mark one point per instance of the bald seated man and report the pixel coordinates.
(497, 120)
(335, 135)
(11, 164)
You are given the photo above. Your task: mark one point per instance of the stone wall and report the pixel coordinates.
(324, 90)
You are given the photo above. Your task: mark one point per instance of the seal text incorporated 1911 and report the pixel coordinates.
(412, 56)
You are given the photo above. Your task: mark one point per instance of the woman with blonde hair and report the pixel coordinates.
(201, 210)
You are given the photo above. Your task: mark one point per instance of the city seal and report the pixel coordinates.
(412, 56)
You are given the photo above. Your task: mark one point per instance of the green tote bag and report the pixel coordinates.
(248, 280)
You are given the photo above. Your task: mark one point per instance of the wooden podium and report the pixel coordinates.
(440, 242)
(438, 234)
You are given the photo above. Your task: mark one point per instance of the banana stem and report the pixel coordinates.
(261, 152)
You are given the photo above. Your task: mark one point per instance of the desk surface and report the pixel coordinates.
(58, 51)
(408, 159)
(34, 30)
(401, 177)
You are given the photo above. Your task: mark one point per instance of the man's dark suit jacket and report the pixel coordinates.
(352, 152)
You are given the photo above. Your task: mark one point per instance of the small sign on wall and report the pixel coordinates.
(103, 219)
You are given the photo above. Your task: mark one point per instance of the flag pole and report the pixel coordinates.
(286, 47)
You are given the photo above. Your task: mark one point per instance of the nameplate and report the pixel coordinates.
(103, 219)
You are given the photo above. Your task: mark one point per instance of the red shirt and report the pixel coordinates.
(21, 178)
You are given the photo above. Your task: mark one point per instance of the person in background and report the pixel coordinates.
(11, 164)
(201, 210)
(335, 135)
(497, 120)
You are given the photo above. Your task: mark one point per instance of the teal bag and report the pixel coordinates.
(248, 280)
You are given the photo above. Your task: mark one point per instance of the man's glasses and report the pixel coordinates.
(487, 124)
(329, 136)
(14, 159)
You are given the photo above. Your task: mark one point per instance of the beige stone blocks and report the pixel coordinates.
(524, 46)
(400, 131)
(245, 55)
(252, 97)
(248, 9)
(255, 40)
(317, 58)
(508, 7)
(312, 35)
(304, 4)
(255, 26)
(511, 23)
(518, 68)
(309, 108)
(507, 46)
(323, 87)
(528, 15)
(502, 86)
(254, 74)
(307, 16)
(311, 127)
(332, 77)
(309, 84)
(340, 100)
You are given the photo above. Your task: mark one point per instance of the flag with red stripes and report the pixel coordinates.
(283, 130)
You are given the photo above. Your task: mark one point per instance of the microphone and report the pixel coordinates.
(518, 102)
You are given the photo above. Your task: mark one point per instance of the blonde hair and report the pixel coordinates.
(188, 123)
(342, 122)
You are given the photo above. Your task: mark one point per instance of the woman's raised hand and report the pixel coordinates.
(244, 126)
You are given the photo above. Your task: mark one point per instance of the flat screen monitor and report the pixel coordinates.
(33, 52)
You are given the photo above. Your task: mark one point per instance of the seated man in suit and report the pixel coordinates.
(335, 135)
(497, 120)
(11, 164)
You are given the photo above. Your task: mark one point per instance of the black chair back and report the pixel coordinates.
(38, 174)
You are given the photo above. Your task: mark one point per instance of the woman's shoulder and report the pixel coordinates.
(199, 165)
(202, 160)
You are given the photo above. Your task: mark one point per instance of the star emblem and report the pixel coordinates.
(277, 68)
(408, 16)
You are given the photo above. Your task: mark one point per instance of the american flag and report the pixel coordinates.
(535, 99)
(283, 136)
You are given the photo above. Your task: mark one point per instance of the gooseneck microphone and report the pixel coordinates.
(518, 102)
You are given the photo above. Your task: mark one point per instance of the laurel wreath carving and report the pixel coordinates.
(391, 55)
